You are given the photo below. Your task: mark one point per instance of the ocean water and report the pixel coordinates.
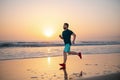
(22, 50)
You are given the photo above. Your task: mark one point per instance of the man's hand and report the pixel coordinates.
(73, 42)
(60, 37)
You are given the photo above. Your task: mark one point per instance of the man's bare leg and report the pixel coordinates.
(75, 53)
(64, 60)
(64, 57)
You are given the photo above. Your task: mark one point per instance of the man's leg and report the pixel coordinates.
(65, 57)
(75, 53)
(66, 50)
(64, 60)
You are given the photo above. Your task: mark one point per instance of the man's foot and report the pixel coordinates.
(63, 65)
(80, 55)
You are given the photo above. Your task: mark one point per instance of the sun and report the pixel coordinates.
(48, 32)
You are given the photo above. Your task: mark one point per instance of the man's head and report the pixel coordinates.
(65, 26)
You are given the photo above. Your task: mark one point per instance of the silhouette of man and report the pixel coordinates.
(66, 37)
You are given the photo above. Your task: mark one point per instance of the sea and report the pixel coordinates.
(25, 50)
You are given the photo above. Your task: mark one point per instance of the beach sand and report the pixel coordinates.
(91, 67)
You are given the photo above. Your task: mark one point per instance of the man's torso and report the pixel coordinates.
(67, 36)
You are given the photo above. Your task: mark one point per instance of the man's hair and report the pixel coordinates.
(66, 24)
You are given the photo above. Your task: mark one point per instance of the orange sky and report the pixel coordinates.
(29, 20)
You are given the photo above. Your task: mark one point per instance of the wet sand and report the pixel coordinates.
(114, 76)
(91, 67)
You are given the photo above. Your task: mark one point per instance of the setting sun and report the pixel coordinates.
(48, 32)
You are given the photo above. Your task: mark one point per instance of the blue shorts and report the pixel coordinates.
(67, 48)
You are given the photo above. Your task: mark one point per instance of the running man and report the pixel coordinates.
(66, 37)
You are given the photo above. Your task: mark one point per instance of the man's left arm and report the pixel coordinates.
(74, 37)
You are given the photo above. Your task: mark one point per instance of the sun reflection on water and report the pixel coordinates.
(49, 59)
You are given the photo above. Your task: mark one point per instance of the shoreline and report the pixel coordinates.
(54, 56)
(91, 67)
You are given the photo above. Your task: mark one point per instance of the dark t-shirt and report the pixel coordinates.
(67, 36)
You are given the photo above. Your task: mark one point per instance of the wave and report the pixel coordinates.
(47, 44)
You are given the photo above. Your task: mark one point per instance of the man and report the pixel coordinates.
(66, 37)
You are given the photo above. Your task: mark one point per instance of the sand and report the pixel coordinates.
(114, 76)
(91, 67)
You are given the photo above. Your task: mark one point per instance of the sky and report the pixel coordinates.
(42, 20)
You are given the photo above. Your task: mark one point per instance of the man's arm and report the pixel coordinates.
(74, 37)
